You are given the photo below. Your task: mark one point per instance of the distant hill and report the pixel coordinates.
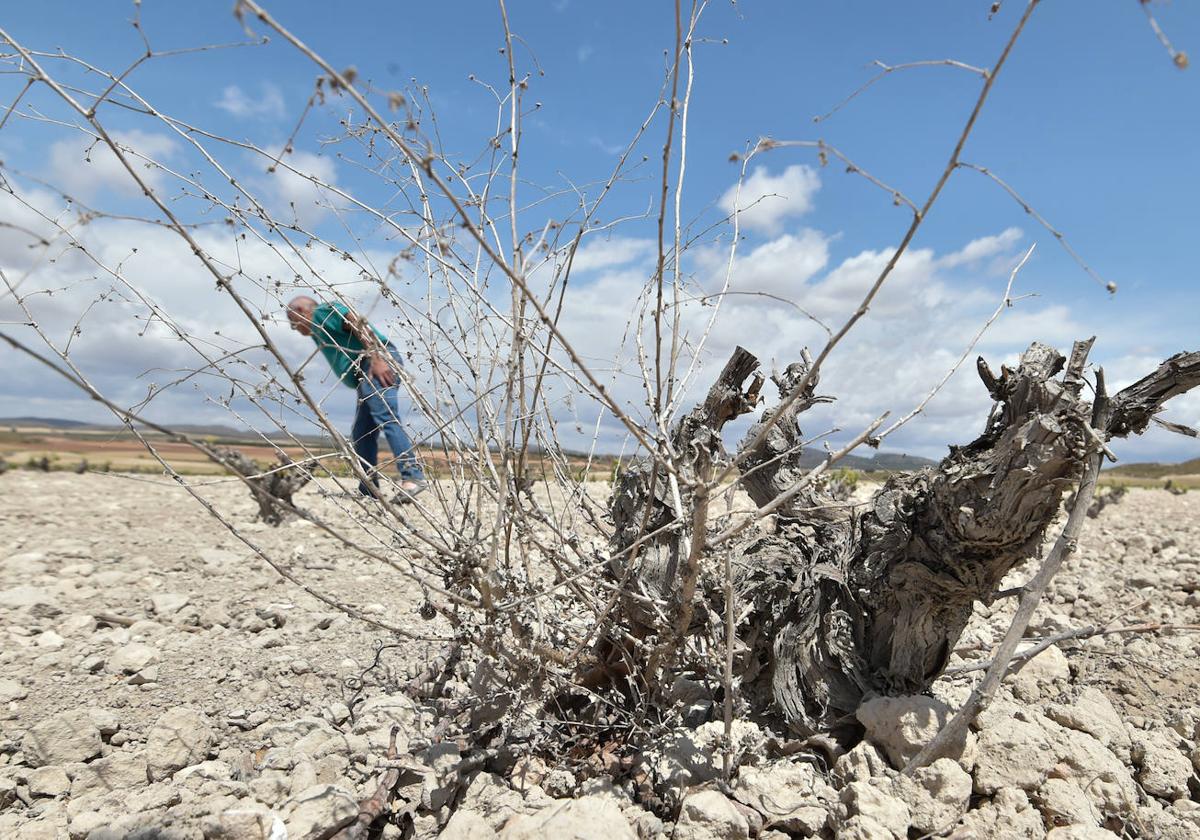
(49, 422)
(1156, 470)
(875, 462)
(880, 461)
(220, 433)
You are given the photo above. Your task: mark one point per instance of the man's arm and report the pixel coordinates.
(379, 359)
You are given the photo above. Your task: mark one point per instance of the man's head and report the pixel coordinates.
(300, 312)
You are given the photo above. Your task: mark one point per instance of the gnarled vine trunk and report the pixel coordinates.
(840, 603)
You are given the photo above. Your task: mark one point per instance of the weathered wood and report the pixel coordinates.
(651, 518)
(955, 731)
(272, 489)
(1135, 406)
(840, 605)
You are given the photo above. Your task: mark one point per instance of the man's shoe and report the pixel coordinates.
(409, 491)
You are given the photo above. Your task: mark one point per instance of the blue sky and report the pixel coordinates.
(1089, 121)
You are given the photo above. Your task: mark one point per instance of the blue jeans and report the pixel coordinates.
(378, 412)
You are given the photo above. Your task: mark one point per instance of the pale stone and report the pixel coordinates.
(1081, 832)
(11, 690)
(245, 824)
(496, 802)
(937, 795)
(168, 603)
(1012, 753)
(790, 795)
(467, 825)
(308, 815)
(1163, 768)
(1093, 713)
(869, 800)
(68, 736)
(862, 762)
(587, 818)
(901, 726)
(48, 781)
(1063, 802)
(1048, 668)
(1009, 815)
(179, 738)
(693, 756)
(118, 772)
(708, 815)
(132, 658)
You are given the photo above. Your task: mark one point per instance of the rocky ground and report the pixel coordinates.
(158, 680)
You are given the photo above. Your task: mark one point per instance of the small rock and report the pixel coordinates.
(117, 772)
(106, 721)
(441, 783)
(1092, 712)
(861, 827)
(1104, 778)
(937, 795)
(863, 762)
(168, 603)
(708, 815)
(1009, 815)
(467, 825)
(496, 802)
(77, 625)
(587, 818)
(49, 781)
(67, 737)
(1012, 752)
(1039, 673)
(8, 791)
(790, 795)
(132, 658)
(1081, 832)
(245, 824)
(145, 676)
(179, 738)
(560, 783)
(11, 690)
(865, 799)
(901, 726)
(692, 756)
(1164, 770)
(50, 640)
(1062, 802)
(308, 815)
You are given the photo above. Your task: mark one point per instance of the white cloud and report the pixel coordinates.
(766, 200)
(294, 194)
(781, 266)
(268, 105)
(86, 169)
(982, 248)
(613, 251)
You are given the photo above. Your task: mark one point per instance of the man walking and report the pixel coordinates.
(362, 358)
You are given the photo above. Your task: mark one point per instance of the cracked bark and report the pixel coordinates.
(269, 488)
(844, 604)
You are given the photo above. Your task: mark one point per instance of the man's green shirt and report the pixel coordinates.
(340, 347)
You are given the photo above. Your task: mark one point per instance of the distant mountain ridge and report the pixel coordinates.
(52, 422)
(879, 462)
(876, 462)
(196, 430)
(1153, 469)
